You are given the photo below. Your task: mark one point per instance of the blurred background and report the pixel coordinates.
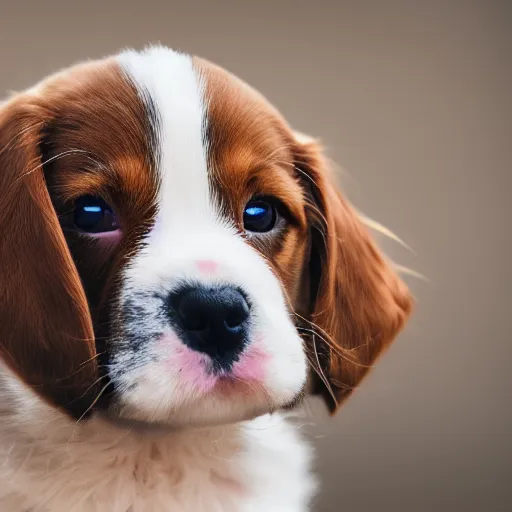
(413, 101)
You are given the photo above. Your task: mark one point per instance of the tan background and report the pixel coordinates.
(413, 100)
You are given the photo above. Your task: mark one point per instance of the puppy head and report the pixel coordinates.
(174, 253)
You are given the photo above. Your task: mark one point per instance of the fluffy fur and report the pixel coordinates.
(59, 465)
(103, 404)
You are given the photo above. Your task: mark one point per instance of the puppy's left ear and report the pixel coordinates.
(358, 303)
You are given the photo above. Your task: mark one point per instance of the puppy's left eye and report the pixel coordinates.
(260, 216)
(94, 215)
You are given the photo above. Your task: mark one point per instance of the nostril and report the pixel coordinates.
(237, 315)
(232, 322)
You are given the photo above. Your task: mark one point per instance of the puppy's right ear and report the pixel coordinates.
(360, 303)
(46, 334)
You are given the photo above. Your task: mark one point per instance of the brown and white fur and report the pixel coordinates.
(103, 407)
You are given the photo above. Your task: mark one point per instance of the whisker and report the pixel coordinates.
(344, 353)
(95, 401)
(92, 339)
(80, 367)
(99, 379)
(92, 358)
(321, 373)
(16, 138)
(327, 341)
(306, 175)
(51, 159)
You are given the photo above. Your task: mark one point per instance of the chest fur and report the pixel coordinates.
(262, 465)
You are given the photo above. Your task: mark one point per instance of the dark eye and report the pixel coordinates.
(93, 215)
(259, 216)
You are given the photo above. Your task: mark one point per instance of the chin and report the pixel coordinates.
(232, 403)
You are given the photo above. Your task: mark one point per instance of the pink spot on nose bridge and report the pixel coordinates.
(207, 266)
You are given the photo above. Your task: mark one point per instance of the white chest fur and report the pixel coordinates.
(48, 464)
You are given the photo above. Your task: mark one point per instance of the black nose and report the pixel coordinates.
(212, 320)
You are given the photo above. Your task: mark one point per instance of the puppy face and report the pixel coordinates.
(183, 257)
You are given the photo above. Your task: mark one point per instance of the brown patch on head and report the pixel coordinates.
(84, 131)
(105, 133)
(250, 154)
(351, 304)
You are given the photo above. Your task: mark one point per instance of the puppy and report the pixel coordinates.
(178, 270)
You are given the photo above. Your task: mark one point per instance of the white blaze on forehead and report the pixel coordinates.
(170, 81)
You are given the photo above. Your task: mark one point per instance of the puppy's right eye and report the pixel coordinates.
(93, 215)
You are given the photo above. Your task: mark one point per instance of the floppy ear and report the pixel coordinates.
(46, 334)
(358, 303)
